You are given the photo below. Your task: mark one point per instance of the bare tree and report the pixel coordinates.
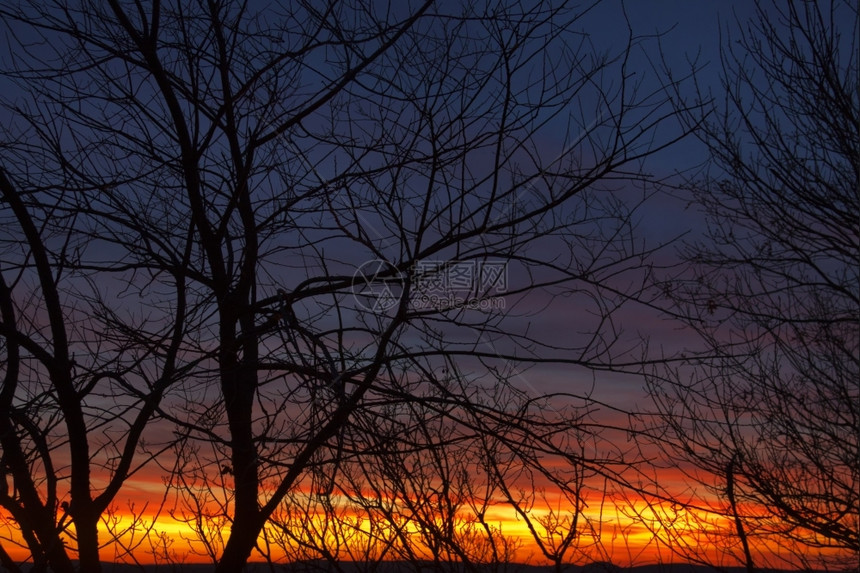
(327, 215)
(71, 420)
(408, 497)
(769, 413)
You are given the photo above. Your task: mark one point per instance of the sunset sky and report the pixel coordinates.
(625, 509)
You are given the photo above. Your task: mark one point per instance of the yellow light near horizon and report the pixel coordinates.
(625, 532)
(140, 537)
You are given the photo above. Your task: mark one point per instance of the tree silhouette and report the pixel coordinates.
(297, 232)
(768, 412)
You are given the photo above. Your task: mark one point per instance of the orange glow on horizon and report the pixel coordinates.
(625, 532)
(150, 525)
